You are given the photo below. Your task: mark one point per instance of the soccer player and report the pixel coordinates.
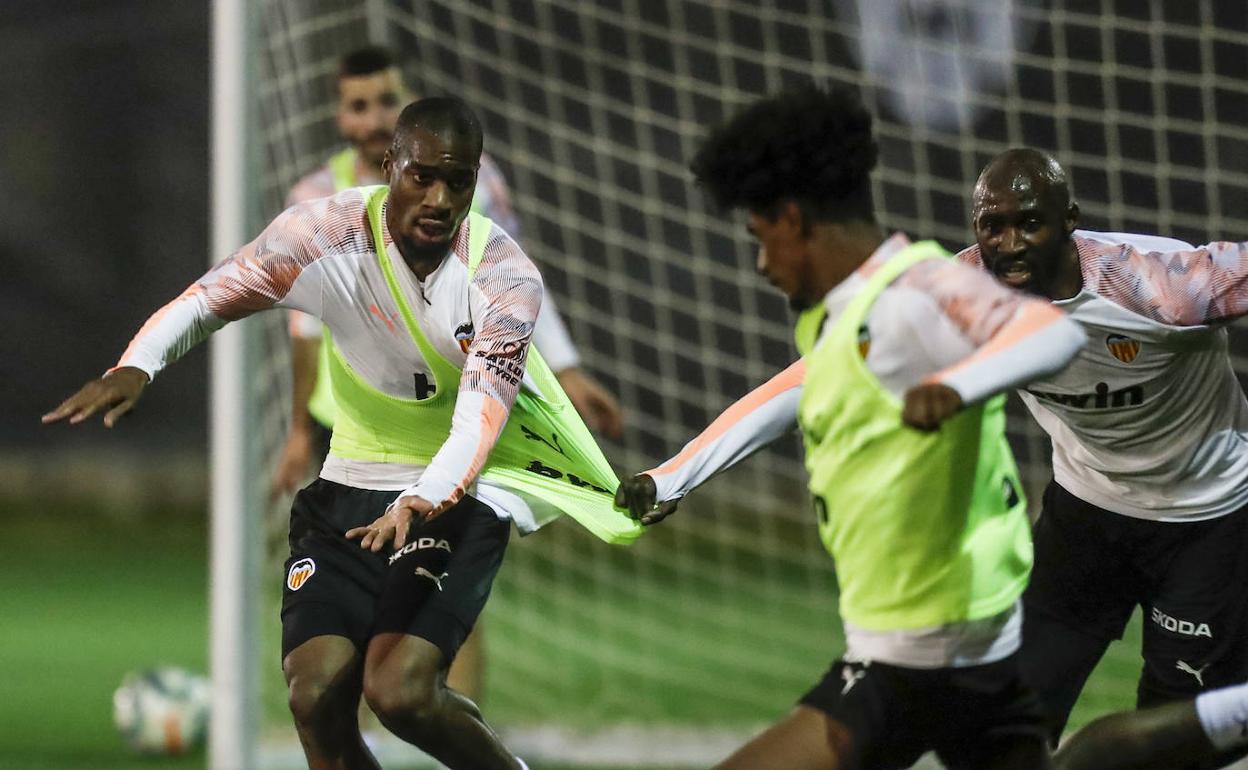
(916, 492)
(1162, 737)
(371, 92)
(1148, 505)
(431, 310)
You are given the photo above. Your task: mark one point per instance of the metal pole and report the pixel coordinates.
(232, 742)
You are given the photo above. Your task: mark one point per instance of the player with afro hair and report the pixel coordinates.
(904, 353)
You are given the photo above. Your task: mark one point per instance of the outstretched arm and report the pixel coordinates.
(1171, 282)
(757, 419)
(258, 276)
(1016, 339)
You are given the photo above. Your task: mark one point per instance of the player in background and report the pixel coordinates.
(915, 488)
(1212, 725)
(431, 309)
(1148, 505)
(371, 92)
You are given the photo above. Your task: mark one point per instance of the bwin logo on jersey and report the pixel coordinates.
(1184, 627)
(420, 544)
(1102, 398)
(1123, 348)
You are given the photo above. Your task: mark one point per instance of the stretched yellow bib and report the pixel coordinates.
(545, 454)
(925, 528)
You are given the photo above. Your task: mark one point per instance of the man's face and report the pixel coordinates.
(783, 253)
(431, 185)
(368, 109)
(1022, 230)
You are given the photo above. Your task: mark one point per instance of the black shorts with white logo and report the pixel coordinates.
(434, 588)
(971, 717)
(1094, 567)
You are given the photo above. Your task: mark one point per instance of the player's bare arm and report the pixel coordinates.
(117, 391)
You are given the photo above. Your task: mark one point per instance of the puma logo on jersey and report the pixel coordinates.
(1122, 348)
(852, 675)
(420, 544)
(437, 579)
(864, 341)
(1196, 672)
(1102, 398)
(1184, 627)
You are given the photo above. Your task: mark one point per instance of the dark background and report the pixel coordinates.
(104, 152)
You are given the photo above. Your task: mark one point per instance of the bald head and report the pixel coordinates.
(444, 116)
(1022, 170)
(1023, 217)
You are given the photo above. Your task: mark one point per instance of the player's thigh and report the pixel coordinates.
(1196, 620)
(806, 739)
(1056, 659)
(1081, 575)
(440, 602)
(330, 584)
(1080, 596)
(989, 719)
(324, 677)
(401, 665)
(879, 714)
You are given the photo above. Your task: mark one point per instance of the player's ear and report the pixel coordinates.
(387, 162)
(792, 217)
(1072, 217)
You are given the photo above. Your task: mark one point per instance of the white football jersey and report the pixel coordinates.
(318, 257)
(1149, 420)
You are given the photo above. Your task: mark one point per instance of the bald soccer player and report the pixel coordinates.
(1148, 505)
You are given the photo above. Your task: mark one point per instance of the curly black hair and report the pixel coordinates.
(807, 144)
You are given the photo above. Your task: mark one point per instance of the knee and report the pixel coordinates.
(310, 699)
(410, 695)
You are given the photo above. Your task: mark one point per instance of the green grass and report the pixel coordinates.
(86, 597)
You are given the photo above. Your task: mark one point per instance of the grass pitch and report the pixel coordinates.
(86, 596)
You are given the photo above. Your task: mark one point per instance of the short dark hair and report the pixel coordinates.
(807, 144)
(441, 115)
(365, 61)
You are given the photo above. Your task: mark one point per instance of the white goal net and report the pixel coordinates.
(718, 620)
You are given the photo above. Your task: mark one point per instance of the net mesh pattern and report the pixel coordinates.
(727, 612)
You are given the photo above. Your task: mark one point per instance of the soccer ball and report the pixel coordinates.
(162, 710)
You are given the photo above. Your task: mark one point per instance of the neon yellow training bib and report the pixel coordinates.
(545, 454)
(321, 402)
(925, 528)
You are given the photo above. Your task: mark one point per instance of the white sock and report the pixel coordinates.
(1224, 715)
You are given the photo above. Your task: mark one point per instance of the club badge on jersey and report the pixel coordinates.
(464, 334)
(300, 572)
(1123, 348)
